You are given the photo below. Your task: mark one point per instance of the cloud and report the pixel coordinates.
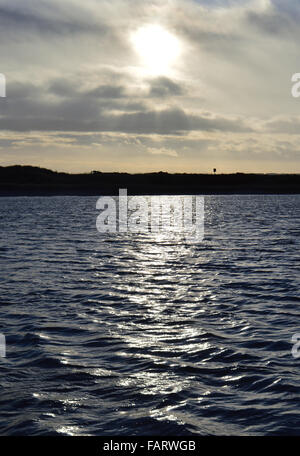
(43, 17)
(162, 151)
(287, 125)
(108, 91)
(104, 108)
(164, 87)
(74, 82)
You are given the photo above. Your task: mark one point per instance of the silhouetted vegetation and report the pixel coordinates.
(31, 180)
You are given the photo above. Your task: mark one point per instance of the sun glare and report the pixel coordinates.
(157, 48)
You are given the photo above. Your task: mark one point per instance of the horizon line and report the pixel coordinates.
(93, 171)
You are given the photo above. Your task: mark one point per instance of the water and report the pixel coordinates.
(136, 334)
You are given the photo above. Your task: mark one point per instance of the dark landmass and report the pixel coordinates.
(32, 180)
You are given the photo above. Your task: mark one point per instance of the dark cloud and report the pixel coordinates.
(271, 22)
(105, 108)
(85, 113)
(70, 88)
(22, 91)
(164, 87)
(63, 87)
(108, 91)
(44, 18)
(171, 121)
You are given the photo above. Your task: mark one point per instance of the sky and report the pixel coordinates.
(143, 86)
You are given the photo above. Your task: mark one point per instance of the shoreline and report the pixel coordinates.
(20, 180)
(173, 193)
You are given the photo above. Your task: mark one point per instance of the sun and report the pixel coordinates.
(158, 49)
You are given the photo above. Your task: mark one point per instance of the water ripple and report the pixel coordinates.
(140, 335)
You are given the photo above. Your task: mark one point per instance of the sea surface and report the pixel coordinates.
(143, 334)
